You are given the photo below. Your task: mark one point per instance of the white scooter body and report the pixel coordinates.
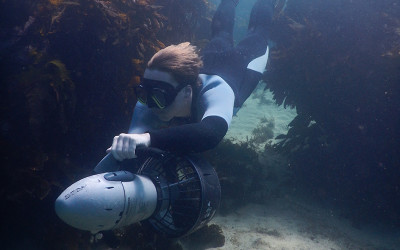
(107, 201)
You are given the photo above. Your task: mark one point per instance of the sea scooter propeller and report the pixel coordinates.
(175, 194)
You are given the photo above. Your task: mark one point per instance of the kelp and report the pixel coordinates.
(68, 70)
(338, 64)
(248, 173)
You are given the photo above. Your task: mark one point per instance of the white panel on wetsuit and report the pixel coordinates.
(259, 63)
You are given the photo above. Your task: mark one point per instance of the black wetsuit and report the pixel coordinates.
(231, 62)
(239, 66)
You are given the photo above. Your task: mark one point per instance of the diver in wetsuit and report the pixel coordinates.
(186, 105)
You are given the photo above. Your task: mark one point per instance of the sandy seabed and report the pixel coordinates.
(290, 222)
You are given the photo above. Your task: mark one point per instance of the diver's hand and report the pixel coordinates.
(124, 145)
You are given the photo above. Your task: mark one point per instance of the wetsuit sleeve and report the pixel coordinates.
(190, 138)
(217, 98)
(143, 120)
(215, 107)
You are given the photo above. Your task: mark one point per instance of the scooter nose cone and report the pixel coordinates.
(66, 209)
(63, 209)
(93, 204)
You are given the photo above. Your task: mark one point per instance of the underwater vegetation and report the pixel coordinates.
(248, 173)
(338, 63)
(263, 132)
(68, 69)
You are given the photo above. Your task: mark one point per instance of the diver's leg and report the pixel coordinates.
(258, 29)
(216, 55)
(256, 41)
(223, 22)
(254, 48)
(261, 15)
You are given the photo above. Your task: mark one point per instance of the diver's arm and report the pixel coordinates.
(124, 145)
(142, 120)
(183, 139)
(190, 138)
(216, 105)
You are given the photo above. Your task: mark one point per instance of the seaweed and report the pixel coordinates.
(337, 63)
(249, 173)
(263, 132)
(68, 70)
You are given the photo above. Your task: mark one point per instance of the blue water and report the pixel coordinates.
(67, 73)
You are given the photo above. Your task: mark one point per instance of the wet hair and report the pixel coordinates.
(181, 60)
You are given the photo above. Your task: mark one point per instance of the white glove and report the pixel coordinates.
(124, 145)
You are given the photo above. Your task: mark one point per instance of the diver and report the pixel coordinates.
(186, 102)
(185, 105)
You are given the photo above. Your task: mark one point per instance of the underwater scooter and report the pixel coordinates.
(176, 195)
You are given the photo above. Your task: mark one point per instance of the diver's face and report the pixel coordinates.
(168, 99)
